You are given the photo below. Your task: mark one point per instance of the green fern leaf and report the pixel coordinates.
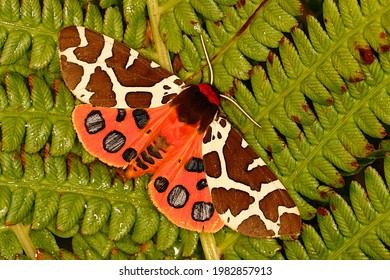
(55, 168)
(135, 16)
(112, 24)
(96, 215)
(45, 208)
(121, 220)
(21, 205)
(100, 247)
(43, 50)
(31, 12)
(63, 137)
(146, 224)
(9, 10)
(52, 14)
(167, 234)
(11, 165)
(5, 201)
(246, 251)
(190, 241)
(43, 239)
(33, 167)
(38, 131)
(93, 18)
(9, 247)
(71, 207)
(170, 32)
(13, 130)
(17, 92)
(186, 18)
(72, 13)
(128, 246)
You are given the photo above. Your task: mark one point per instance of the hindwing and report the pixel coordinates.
(179, 189)
(246, 194)
(103, 72)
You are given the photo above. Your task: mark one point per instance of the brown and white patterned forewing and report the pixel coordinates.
(245, 193)
(103, 72)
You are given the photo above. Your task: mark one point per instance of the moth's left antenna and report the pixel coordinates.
(207, 59)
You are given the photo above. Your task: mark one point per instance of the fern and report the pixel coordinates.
(319, 87)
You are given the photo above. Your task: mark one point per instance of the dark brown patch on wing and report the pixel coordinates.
(100, 83)
(254, 227)
(269, 204)
(290, 224)
(238, 160)
(234, 200)
(138, 99)
(68, 38)
(207, 136)
(91, 52)
(140, 73)
(167, 98)
(71, 73)
(212, 164)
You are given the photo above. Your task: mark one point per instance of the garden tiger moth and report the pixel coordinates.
(143, 118)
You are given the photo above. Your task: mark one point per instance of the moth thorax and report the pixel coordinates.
(196, 106)
(210, 92)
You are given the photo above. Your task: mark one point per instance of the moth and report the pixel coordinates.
(144, 119)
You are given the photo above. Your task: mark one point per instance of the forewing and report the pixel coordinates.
(103, 72)
(121, 137)
(246, 194)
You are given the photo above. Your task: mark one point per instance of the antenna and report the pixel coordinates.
(206, 54)
(234, 102)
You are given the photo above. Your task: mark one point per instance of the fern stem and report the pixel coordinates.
(162, 57)
(210, 248)
(21, 233)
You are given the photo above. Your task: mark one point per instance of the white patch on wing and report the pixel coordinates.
(154, 64)
(133, 56)
(256, 162)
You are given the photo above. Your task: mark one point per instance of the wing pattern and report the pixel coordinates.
(246, 194)
(204, 173)
(104, 72)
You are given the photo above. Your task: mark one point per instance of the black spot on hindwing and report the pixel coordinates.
(147, 158)
(202, 211)
(121, 115)
(194, 165)
(178, 196)
(141, 164)
(114, 141)
(94, 122)
(201, 184)
(141, 118)
(152, 150)
(161, 184)
(129, 154)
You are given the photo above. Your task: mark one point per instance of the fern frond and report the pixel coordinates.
(357, 229)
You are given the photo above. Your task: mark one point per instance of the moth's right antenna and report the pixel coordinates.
(223, 95)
